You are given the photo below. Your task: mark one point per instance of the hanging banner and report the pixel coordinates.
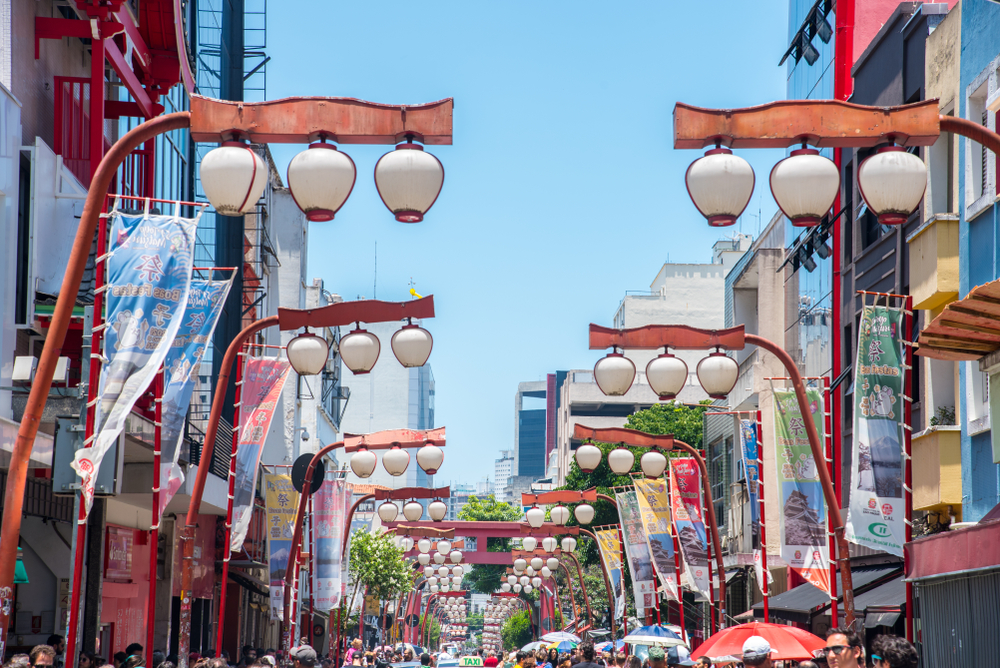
(758, 567)
(149, 276)
(281, 502)
(875, 513)
(547, 607)
(639, 560)
(654, 507)
(685, 508)
(204, 306)
(611, 554)
(749, 452)
(804, 544)
(263, 380)
(330, 506)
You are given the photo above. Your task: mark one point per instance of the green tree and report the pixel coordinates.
(485, 578)
(378, 566)
(516, 631)
(684, 422)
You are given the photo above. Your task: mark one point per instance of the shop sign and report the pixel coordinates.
(118, 554)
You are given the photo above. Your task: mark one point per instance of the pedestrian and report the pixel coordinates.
(87, 660)
(135, 649)
(657, 657)
(58, 643)
(679, 656)
(133, 661)
(893, 652)
(42, 655)
(843, 649)
(529, 662)
(757, 652)
(703, 662)
(491, 660)
(587, 654)
(119, 659)
(425, 659)
(621, 659)
(553, 658)
(303, 656)
(634, 662)
(18, 661)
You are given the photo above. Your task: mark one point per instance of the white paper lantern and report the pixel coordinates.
(667, 375)
(430, 457)
(388, 511)
(552, 563)
(529, 543)
(718, 374)
(559, 515)
(359, 350)
(413, 511)
(546, 572)
(424, 545)
(320, 180)
(444, 547)
(423, 559)
(720, 185)
(233, 177)
(549, 543)
(363, 462)
(568, 544)
(805, 185)
(537, 563)
(409, 181)
(412, 346)
(621, 460)
(308, 354)
(588, 457)
(439, 558)
(455, 556)
(535, 517)
(584, 513)
(395, 461)
(653, 463)
(614, 374)
(892, 183)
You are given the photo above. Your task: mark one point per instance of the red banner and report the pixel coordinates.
(547, 608)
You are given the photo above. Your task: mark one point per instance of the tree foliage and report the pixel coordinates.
(485, 578)
(377, 564)
(516, 631)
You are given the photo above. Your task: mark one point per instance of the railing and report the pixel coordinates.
(72, 125)
(39, 500)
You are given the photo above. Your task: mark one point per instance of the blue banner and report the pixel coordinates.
(748, 439)
(149, 277)
(204, 306)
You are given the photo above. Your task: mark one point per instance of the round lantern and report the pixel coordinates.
(653, 463)
(529, 543)
(614, 374)
(552, 563)
(423, 559)
(535, 517)
(549, 543)
(529, 571)
(387, 511)
(524, 580)
(320, 180)
(588, 457)
(720, 185)
(512, 579)
(443, 547)
(363, 462)
(455, 556)
(396, 460)
(428, 571)
(443, 572)
(423, 544)
(359, 350)
(546, 572)
(520, 564)
(621, 460)
(407, 544)
(412, 345)
(429, 458)
(517, 589)
(568, 544)
(667, 375)
(437, 509)
(718, 374)
(505, 587)
(439, 558)
(584, 513)
(308, 353)
(536, 582)
(805, 185)
(435, 589)
(233, 177)
(413, 511)
(457, 570)
(559, 515)
(537, 562)
(432, 580)
(892, 183)
(409, 181)
(527, 589)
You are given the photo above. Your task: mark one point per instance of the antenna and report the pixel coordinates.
(375, 283)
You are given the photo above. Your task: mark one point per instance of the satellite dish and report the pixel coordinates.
(299, 473)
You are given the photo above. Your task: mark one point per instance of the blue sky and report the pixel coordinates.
(562, 189)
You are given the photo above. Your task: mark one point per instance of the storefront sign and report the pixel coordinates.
(118, 554)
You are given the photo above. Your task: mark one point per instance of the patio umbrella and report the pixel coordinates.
(557, 636)
(606, 646)
(787, 642)
(724, 660)
(654, 635)
(532, 646)
(562, 645)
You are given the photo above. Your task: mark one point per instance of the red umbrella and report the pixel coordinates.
(787, 642)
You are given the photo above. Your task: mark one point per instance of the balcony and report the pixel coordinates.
(934, 262)
(937, 468)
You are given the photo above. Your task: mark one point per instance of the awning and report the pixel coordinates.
(967, 329)
(803, 602)
(250, 583)
(976, 548)
(730, 574)
(882, 605)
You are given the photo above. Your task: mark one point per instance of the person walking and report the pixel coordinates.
(893, 652)
(757, 652)
(587, 653)
(843, 649)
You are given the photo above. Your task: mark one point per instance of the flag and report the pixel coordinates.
(611, 554)
(204, 306)
(749, 452)
(262, 383)
(875, 512)
(281, 503)
(654, 506)
(149, 277)
(547, 608)
(804, 544)
(330, 506)
(639, 560)
(685, 507)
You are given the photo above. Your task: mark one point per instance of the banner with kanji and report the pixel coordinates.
(149, 277)
(611, 554)
(876, 513)
(329, 510)
(204, 306)
(263, 380)
(281, 502)
(639, 560)
(654, 507)
(749, 453)
(804, 544)
(685, 508)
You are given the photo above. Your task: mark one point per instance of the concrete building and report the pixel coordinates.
(391, 396)
(503, 469)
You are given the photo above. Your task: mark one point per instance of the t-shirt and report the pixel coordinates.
(491, 662)
(586, 664)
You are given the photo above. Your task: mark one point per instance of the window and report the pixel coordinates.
(941, 181)
(980, 164)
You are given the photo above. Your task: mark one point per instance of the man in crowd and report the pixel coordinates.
(757, 652)
(135, 649)
(491, 661)
(303, 656)
(844, 649)
(58, 643)
(42, 655)
(587, 653)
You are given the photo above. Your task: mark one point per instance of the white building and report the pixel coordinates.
(502, 471)
(681, 294)
(391, 396)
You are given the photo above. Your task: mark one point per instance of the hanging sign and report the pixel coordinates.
(654, 506)
(611, 554)
(330, 505)
(804, 544)
(875, 513)
(281, 503)
(685, 507)
(639, 560)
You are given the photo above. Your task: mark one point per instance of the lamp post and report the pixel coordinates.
(292, 120)
(892, 184)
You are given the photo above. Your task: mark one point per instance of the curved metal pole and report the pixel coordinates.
(572, 598)
(38, 395)
(843, 553)
(973, 131)
(607, 580)
(583, 587)
(293, 548)
(347, 522)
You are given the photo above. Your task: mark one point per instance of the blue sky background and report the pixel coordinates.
(562, 189)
